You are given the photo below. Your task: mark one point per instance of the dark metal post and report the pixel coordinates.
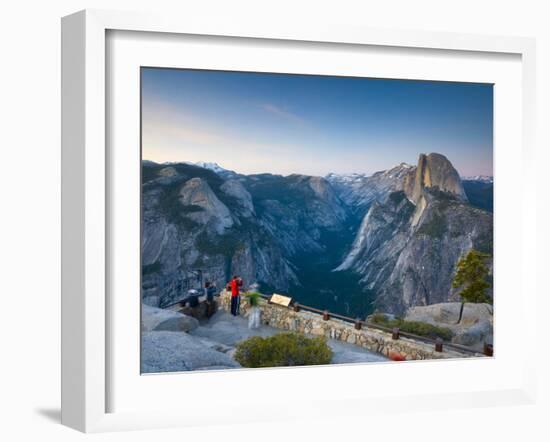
(488, 349)
(326, 316)
(439, 345)
(358, 324)
(395, 333)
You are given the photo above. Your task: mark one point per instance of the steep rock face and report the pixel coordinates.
(168, 172)
(424, 270)
(407, 247)
(382, 221)
(394, 236)
(433, 171)
(208, 209)
(236, 189)
(329, 203)
(194, 220)
(317, 199)
(298, 210)
(285, 224)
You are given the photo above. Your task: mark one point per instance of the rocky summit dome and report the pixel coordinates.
(433, 170)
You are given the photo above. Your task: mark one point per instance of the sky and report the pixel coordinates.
(314, 125)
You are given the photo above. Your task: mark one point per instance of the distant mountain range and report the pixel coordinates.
(348, 243)
(358, 191)
(479, 178)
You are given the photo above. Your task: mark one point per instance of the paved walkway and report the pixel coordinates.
(226, 331)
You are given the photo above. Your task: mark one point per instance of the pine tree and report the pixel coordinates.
(472, 274)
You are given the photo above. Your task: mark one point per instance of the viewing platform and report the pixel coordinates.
(187, 336)
(388, 343)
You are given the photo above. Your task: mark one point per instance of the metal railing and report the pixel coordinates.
(185, 300)
(395, 332)
(174, 287)
(360, 323)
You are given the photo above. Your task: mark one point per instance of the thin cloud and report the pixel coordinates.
(155, 131)
(283, 113)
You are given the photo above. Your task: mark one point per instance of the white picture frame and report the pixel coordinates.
(86, 205)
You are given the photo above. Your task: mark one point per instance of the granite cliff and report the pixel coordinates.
(407, 247)
(392, 238)
(193, 219)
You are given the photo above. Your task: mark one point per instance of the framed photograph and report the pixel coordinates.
(269, 218)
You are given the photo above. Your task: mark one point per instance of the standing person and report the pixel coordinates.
(239, 285)
(236, 283)
(210, 290)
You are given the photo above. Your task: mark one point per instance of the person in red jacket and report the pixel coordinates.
(235, 284)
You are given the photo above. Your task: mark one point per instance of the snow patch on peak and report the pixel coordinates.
(214, 167)
(480, 178)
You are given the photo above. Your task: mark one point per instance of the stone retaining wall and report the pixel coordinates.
(369, 338)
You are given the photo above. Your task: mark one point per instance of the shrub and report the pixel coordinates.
(253, 298)
(379, 318)
(413, 327)
(283, 350)
(426, 329)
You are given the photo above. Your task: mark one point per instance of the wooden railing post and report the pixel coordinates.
(439, 345)
(296, 307)
(358, 324)
(395, 333)
(488, 349)
(326, 315)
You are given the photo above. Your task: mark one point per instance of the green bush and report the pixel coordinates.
(283, 350)
(253, 298)
(414, 327)
(378, 318)
(426, 329)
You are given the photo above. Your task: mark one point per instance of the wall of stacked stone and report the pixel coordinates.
(313, 324)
